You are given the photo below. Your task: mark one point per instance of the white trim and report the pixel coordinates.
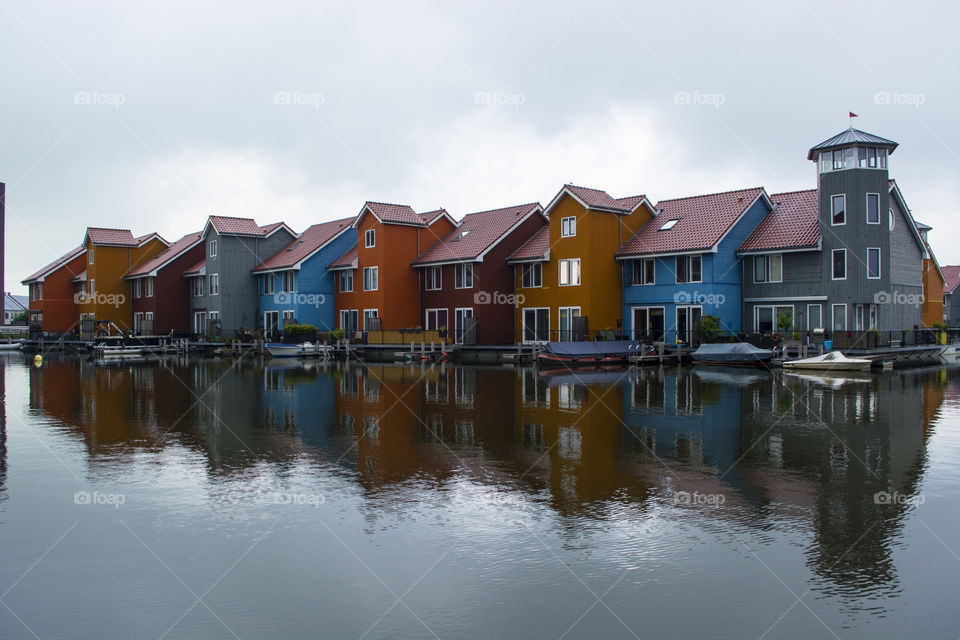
(866, 216)
(879, 263)
(786, 299)
(363, 286)
(457, 266)
(426, 318)
(760, 252)
(565, 190)
(439, 286)
(768, 280)
(820, 307)
(364, 316)
(367, 235)
(522, 266)
(832, 276)
(762, 194)
(667, 254)
(523, 328)
(565, 220)
(579, 273)
(838, 224)
(832, 316)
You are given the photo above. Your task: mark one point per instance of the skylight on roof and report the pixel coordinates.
(669, 224)
(460, 236)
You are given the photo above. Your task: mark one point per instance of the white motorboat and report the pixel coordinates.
(10, 346)
(951, 353)
(283, 350)
(832, 361)
(106, 351)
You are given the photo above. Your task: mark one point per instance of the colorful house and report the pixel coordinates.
(467, 287)
(567, 272)
(51, 292)
(224, 299)
(951, 295)
(161, 296)
(933, 282)
(103, 294)
(683, 265)
(377, 287)
(295, 284)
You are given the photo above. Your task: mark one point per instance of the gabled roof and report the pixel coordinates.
(142, 240)
(230, 226)
(536, 249)
(110, 237)
(305, 245)
(401, 214)
(349, 260)
(701, 222)
(477, 234)
(951, 277)
(14, 302)
(53, 266)
(197, 269)
(895, 192)
(598, 200)
(850, 137)
(793, 224)
(168, 255)
(80, 277)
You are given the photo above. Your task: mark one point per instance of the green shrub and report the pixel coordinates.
(338, 334)
(299, 333)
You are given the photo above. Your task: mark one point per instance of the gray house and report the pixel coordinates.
(951, 294)
(846, 256)
(224, 297)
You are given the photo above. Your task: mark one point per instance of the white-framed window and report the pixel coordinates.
(689, 269)
(432, 278)
(348, 319)
(769, 318)
(535, 324)
(569, 272)
(213, 319)
(839, 317)
(212, 249)
(198, 287)
(872, 317)
(568, 227)
(288, 281)
(289, 317)
(873, 208)
(369, 314)
(36, 291)
(873, 263)
(669, 224)
(92, 288)
(90, 256)
(567, 314)
(436, 319)
(370, 278)
(370, 238)
(463, 275)
(199, 321)
(137, 321)
(271, 322)
(814, 317)
(644, 271)
(838, 209)
(768, 268)
(148, 288)
(838, 264)
(346, 281)
(531, 275)
(214, 287)
(893, 220)
(269, 283)
(460, 317)
(859, 317)
(137, 288)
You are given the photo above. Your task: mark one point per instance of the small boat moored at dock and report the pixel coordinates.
(832, 361)
(579, 354)
(741, 354)
(284, 350)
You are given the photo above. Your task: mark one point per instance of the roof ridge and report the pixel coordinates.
(705, 195)
(512, 206)
(786, 193)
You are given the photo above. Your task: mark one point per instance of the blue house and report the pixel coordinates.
(683, 264)
(294, 283)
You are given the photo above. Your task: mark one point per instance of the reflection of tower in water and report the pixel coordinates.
(3, 433)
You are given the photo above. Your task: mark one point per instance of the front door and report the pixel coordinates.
(688, 324)
(460, 319)
(567, 314)
(814, 316)
(648, 323)
(536, 325)
(200, 322)
(271, 323)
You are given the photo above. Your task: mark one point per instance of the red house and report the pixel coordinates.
(52, 303)
(466, 285)
(160, 293)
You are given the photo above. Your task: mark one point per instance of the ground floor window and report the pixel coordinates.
(463, 325)
(839, 317)
(368, 315)
(688, 323)
(767, 319)
(348, 320)
(648, 323)
(814, 317)
(536, 324)
(567, 314)
(288, 318)
(199, 321)
(271, 322)
(436, 320)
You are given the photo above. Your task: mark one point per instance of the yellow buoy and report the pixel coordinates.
(38, 360)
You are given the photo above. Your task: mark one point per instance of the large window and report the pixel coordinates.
(348, 320)
(648, 323)
(644, 271)
(767, 319)
(436, 319)
(346, 281)
(873, 208)
(873, 263)
(839, 317)
(689, 269)
(814, 317)
(531, 275)
(368, 315)
(269, 283)
(463, 276)
(768, 268)
(214, 284)
(370, 277)
(838, 209)
(568, 227)
(432, 278)
(839, 260)
(536, 325)
(569, 272)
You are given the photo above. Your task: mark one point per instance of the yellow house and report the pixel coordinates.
(568, 270)
(101, 291)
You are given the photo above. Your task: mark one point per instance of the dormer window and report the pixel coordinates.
(669, 224)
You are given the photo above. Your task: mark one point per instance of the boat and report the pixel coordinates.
(951, 353)
(284, 350)
(832, 379)
(117, 351)
(740, 354)
(590, 354)
(832, 361)
(10, 346)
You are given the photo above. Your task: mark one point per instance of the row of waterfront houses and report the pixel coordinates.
(847, 255)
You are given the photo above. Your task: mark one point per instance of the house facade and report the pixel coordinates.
(934, 282)
(860, 268)
(951, 295)
(377, 286)
(295, 284)
(567, 273)
(683, 265)
(160, 294)
(14, 306)
(466, 286)
(224, 298)
(102, 293)
(51, 292)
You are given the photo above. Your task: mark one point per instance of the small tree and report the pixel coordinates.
(710, 328)
(299, 333)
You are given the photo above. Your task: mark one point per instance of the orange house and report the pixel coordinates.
(375, 279)
(933, 282)
(52, 305)
(102, 293)
(568, 269)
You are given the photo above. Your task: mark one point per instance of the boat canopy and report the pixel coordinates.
(617, 348)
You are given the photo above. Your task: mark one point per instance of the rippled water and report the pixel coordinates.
(222, 499)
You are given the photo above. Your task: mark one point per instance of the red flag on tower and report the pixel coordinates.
(853, 115)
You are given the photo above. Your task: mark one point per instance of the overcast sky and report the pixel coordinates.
(151, 117)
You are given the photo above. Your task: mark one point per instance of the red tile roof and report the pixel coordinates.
(144, 238)
(347, 260)
(536, 249)
(951, 275)
(53, 266)
(701, 222)
(430, 217)
(197, 268)
(111, 237)
(236, 226)
(397, 213)
(305, 244)
(483, 230)
(599, 199)
(795, 223)
(166, 256)
(267, 229)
